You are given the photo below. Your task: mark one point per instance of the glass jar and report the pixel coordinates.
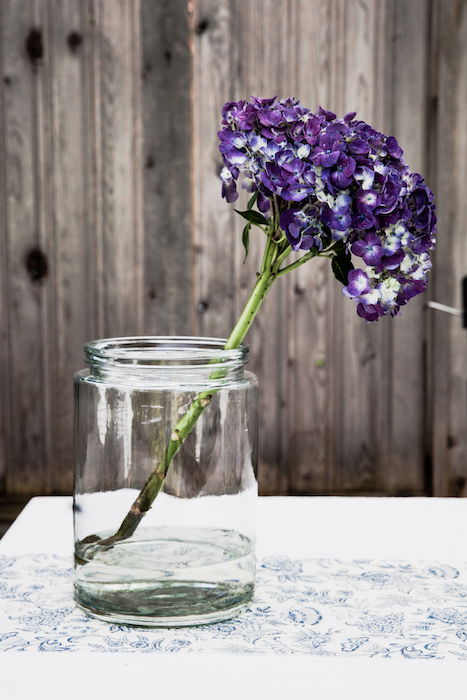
(190, 560)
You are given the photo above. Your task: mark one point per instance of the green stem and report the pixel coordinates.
(255, 299)
(297, 263)
(186, 424)
(280, 258)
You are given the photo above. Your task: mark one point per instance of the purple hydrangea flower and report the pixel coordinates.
(368, 248)
(335, 180)
(301, 228)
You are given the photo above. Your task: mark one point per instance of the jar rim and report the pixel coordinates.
(164, 351)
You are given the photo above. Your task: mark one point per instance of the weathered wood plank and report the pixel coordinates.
(449, 341)
(4, 299)
(240, 49)
(214, 224)
(92, 156)
(70, 321)
(23, 62)
(266, 60)
(403, 465)
(73, 175)
(167, 117)
(356, 348)
(344, 425)
(121, 143)
(310, 289)
(109, 115)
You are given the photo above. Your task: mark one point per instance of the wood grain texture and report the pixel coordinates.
(236, 55)
(166, 72)
(449, 341)
(308, 364)
(72, 212)
(353, 395)
(357, 356)
(71, 322)
(25, 250)
(404, 464)
(4, 313)
(120, 140)
(263, 57)
(112, 224)
(378, 400)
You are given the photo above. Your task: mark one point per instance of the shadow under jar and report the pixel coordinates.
(191, 559)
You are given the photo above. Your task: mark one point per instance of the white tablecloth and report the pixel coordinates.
(361, 596)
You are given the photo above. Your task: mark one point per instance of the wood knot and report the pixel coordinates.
(202, 26)
(150, 162)
(202, 306)
(74, 41)
(451, 442)
(36, 264)
(34, 46)
(147, 68)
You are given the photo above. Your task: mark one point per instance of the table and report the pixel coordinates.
(321, 559)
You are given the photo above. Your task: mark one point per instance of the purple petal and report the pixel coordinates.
(340, 179)
(295, 193)
(262, 202)
(367, 199)
(328, 159)
(365, 176)
(233, 155)
(229, 191)
(307, 242)
(268, 184)
(359, 147)
(329, 116)
(391, 262)
(393, 147)
(358, 283)
(295, 167)
(269, 117)
(372, 255)
(358, 247)
(370, 312)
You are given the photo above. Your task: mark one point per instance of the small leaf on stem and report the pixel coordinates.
(252, 201)
(341, 263)
(246, 239)
(253, 217)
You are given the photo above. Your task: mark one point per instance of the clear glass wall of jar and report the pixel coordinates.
(191, 559)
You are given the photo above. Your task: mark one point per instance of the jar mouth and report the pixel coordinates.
(170, 352)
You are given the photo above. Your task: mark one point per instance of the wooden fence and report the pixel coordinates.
(112, 224)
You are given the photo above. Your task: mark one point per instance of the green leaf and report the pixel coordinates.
(246, 239)
(341, 263)
(252, 201)
(253, 217)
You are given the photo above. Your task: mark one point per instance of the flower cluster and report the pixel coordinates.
(330, 180)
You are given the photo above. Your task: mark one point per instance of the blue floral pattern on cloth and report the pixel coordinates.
(317, 606)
